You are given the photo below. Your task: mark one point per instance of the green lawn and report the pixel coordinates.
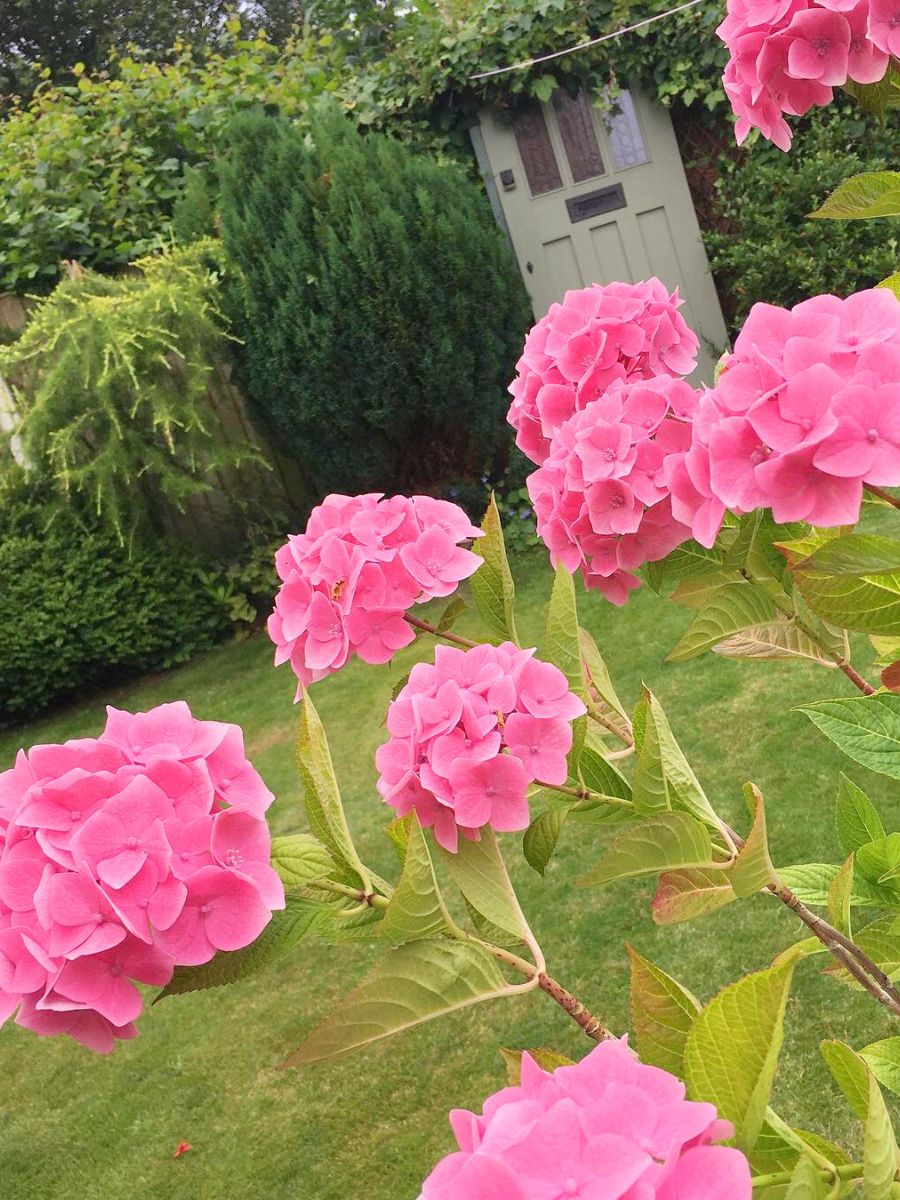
(205, 1069)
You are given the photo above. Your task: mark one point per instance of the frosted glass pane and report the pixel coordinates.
(625, 137)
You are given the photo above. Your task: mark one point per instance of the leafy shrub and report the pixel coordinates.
(774, 253)
(76, 609)
(379, 307)
(112, 377)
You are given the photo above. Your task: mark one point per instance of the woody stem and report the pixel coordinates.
(445, 634)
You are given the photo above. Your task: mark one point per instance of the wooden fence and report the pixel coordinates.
(257, 490)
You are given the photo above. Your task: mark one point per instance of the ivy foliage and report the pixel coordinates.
(377, 303)
(111, 378)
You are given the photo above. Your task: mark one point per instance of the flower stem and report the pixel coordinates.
(585, 794)
(780, 1178)
(582, 1016)
(883, 495)
(445, 634)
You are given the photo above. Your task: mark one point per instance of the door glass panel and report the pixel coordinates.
(625, 137)
(576, 127)
(536, 150)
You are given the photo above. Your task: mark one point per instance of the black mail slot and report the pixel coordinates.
(594, 203)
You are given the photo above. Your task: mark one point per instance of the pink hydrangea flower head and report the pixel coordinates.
(469, 733)
(349, 578)
(606, 1128)
(803, 415)
(597, 336)
(121, 858)
(602, 494)
(884, 26)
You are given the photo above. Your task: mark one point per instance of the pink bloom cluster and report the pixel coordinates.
(121, 857)
(350, 577)
(602, 494)
(787, 56)
(607, 1128)
(806, 411)
(470, 733)
(597, 336)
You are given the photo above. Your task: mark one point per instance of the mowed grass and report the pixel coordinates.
(74, 1126)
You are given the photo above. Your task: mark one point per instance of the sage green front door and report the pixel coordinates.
(593, 195)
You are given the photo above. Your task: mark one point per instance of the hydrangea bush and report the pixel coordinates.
(143, 857)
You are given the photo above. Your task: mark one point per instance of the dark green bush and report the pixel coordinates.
(774, 253)
(380, 308)
(77, 610)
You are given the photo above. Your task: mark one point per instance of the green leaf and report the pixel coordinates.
(492, 584)
(866, 728)
(663, 777)
(662, 1013)
(733, 1046)
(840, 898)
(299, 858)
(598, 774)
(879, 97)
(883, 1059)
(670, 841)
(874, 194)
(856, 818)
(478, 870)
(879, 1146)
(448, 617)
(892, 283)
(412, 984)
(547, 1060)
(807, 1182)
(561, 645)
(879, 861)
(729, 609)
(850, 1073)
(287, 928)
(541, 837)
(598, 675)
(779, 639)
(321, 795)
(684, 895)
(753, 870)
(416, 909)
(853, 582)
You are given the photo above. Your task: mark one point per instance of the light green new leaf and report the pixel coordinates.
(662, 1013)
(884, 1060)
(866, 728)
(850, 1073)
(892, 283)
(492, 584)
(670, 841)
(879, 1147)
(684, 895)
(880, 940)
(730, 608)
(321, 795)
(856, 818)
(733, 1046)
(547, 1060)
(541, 837)
(807, 1182)
(300, 858)
(287, 928)
(663, 778)
(478, 870)
(561, 645)
(874, 194)
(598, 674)
(853, 582)
(840, 898)
(811, 882)
(779, 639)
(753, 870)
(412, 984)
(879, 861)
(598, 774)
(416, 909)
(855, 554)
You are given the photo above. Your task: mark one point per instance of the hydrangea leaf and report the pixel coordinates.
(883, 1059)
(321, 795)
(853, 582)
(287, 929)
(840, 898)
(879, 861)
(753, 870)
(879, 1146)
(597, 675)
(413, 983)
(810, 883)
(669, 841)
(684, 895)
(300, 858)
(856, 819)
(866, 728)
(807, 1182)
(547, 1060)
(662, 1013)
(729, 609)
(850, 1073)
(873, 194)
(892, 283)
(541, 837)
(732, 1049)
(416, 909)
(663, 778)
(451, 614)
(478, 870)
(779, 639)
(492, 584)
(599, 775)
(880, 940)
(561, 644)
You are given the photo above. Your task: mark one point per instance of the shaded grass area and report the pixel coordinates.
(77, 1127)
